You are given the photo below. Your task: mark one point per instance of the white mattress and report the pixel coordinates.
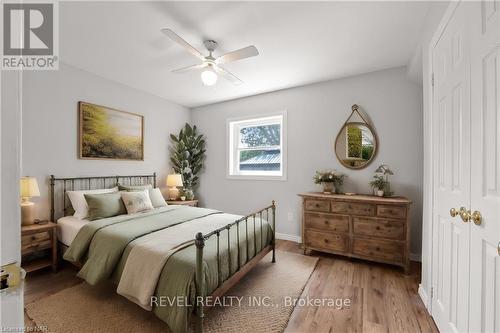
(68, 227)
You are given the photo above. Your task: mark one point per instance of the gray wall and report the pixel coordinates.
(315, 115)
(50, 132)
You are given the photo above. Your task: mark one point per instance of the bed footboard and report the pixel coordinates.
(223, 286)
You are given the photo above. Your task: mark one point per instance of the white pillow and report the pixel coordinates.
(77, 199)
(137, 201)
(156, 198)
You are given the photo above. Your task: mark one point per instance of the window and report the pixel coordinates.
(257, 147)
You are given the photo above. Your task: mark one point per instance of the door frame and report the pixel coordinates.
(425, 291)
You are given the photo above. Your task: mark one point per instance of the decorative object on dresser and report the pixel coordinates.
(36, 238)
(379, 184)
(356, 144)
(187, 153)
(330, 180)
(174, 181)
(111, 134)
(28, 187)
(385, 171)
(358, 226)
(192, 203)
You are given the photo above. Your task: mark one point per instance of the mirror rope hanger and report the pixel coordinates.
(355, 108)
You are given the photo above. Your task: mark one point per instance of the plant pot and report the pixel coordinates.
(327, 187)
(380, 193)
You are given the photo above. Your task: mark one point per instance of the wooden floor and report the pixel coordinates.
(382, 298)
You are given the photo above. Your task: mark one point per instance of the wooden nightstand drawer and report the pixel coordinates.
(391, 211)
(327, 222)
(373, 227)
(353, 208)
(317, 205)
(35, 238)
(386, 250)
(322, 240)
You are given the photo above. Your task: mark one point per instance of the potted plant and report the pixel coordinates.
(384, 171)
(330, 180)
(379, 184)
(187, 154)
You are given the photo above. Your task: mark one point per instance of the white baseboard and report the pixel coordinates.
(293, 238)
(423, 296)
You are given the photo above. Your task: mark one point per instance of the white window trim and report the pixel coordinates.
(230, 151)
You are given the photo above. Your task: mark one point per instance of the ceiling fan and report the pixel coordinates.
(212, 66)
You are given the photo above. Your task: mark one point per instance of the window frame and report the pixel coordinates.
(232, 151)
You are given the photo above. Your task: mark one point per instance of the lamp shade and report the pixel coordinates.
(174, 180)
(29, 187)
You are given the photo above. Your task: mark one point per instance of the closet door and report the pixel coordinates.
(485, 157)
(451, 111)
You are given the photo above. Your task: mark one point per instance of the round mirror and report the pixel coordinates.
(356, 145)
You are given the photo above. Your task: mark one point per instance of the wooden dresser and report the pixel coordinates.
(359, 226)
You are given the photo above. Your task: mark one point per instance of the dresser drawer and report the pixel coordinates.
(327, 222)
(35, 238)
(322, 240)
(317, 205)
(373, 227)
(386, 250)
(391, 211)
(353, 208)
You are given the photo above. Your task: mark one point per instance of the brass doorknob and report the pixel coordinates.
(465, 214)
(477, 217)
(454, 212)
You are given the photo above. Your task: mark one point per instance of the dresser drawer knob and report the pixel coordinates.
(317, 205)
(378, 228)
(326, 221)
(326, 240)
(377, 248)
(33, 237)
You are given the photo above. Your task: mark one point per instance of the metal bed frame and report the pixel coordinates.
(88, 183)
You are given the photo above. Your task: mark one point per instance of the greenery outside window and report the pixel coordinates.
(257, 147)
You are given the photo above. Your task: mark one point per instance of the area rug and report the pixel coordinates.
(260, 302)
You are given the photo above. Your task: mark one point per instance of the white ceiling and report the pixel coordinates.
(299, 42)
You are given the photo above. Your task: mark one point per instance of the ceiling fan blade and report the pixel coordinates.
(227, 75)
(190, 68)
(246, 52)
(176, 38)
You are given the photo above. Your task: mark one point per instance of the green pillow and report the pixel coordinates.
(134, 187)
(104, 205)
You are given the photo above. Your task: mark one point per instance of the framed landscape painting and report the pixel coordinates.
(110, 134)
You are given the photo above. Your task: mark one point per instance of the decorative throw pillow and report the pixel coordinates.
(134, 187)
(79, 203)
(156, 197)
(137, 201)
(104, 205)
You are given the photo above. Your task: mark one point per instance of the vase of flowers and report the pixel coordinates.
(378, 183)
(331, 181)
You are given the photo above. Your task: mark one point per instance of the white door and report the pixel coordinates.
(451, 112)
(485, 167)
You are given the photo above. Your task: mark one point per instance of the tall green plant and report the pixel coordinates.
(187, 153)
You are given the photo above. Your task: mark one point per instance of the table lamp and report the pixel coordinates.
(28, 188)
(173, 181)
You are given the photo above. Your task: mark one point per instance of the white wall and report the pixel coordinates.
(50, 127)
(315, 115)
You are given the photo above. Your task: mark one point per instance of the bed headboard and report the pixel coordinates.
(60, 205)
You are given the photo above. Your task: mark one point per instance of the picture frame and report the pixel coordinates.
(106, 133)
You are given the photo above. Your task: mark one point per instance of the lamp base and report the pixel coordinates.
(27, 213)
(173, 193)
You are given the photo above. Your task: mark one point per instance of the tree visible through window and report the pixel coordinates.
(256, 147)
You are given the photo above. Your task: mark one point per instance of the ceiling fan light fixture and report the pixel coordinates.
(209, 77)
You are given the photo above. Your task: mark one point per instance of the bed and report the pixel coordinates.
(167, 260)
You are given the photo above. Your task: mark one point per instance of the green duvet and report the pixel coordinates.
(103, 247)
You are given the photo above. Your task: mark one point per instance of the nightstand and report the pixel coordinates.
(35, 238)
(192, 203)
